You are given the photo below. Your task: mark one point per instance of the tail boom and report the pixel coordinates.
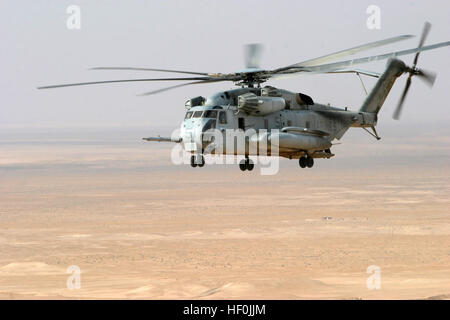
(377, 96)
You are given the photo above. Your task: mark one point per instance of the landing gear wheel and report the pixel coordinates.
(243, 165)
(309, 162)
(250, 164)
(302, 162)
(193, 162)
(201, 163)
(197, 160)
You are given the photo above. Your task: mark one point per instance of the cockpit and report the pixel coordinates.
(205, 118)
(210, 114)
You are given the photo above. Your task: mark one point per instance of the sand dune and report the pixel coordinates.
(144, 229)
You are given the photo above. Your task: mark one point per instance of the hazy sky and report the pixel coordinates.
(38, 49)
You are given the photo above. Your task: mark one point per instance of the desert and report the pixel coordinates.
(139, 227)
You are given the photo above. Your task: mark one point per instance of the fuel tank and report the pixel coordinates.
(299, 141)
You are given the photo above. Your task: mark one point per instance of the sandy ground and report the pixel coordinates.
(140, 228)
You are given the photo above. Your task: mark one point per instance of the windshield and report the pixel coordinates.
(210, 114)
(197, 114)
(189, 114)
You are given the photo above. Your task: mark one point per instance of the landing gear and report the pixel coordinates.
(302, 162)
(201, 162)
(309, 162)
(306, 162)
(197, 160)
(243, 165)
(250, 165)
(193, 162)
(246, 164)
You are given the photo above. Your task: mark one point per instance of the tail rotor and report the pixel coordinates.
(427, 76)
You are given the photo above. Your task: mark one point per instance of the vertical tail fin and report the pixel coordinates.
(376, 97)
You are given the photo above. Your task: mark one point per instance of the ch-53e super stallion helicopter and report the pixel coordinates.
(305, 129)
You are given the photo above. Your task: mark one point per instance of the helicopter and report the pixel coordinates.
(283, 123)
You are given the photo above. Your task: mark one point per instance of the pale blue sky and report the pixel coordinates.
(207, 36)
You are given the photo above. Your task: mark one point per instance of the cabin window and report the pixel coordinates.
(288, 105)
(212, 114)
(197, 114)
(241, 123)
(222, 117)
(188, 114)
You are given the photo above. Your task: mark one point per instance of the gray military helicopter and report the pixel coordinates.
(292, 123)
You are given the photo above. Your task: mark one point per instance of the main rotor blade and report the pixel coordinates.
(347, 52)
(425, 31)
(398, 110)
(357, 71)
(120, 81)
(178, 86)
(148, 69)
(339, 65)
(253, 54)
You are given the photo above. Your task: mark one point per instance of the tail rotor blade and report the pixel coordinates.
(398, 110)
(427, 76)
(425, 31)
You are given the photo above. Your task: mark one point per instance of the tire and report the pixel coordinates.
(243, 165)
(309, 162)
(202, 161)
(193, 163)
(302, 162)
(250, 165)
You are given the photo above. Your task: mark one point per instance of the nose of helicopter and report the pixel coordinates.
(192, 132)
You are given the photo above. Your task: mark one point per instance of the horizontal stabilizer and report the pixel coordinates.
(163, 139)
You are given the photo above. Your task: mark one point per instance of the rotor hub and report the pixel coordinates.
(413, 70)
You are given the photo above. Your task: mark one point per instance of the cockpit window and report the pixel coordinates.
(189, 114)
(210, 114)
(222, 117)
(197, 114)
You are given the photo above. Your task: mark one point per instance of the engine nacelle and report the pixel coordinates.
(197, 101)
(255, 105)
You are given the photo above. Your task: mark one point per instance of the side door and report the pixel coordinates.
(223, 123)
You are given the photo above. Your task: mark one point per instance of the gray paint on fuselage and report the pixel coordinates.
(315, 116)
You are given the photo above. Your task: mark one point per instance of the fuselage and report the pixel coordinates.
(302, 125)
